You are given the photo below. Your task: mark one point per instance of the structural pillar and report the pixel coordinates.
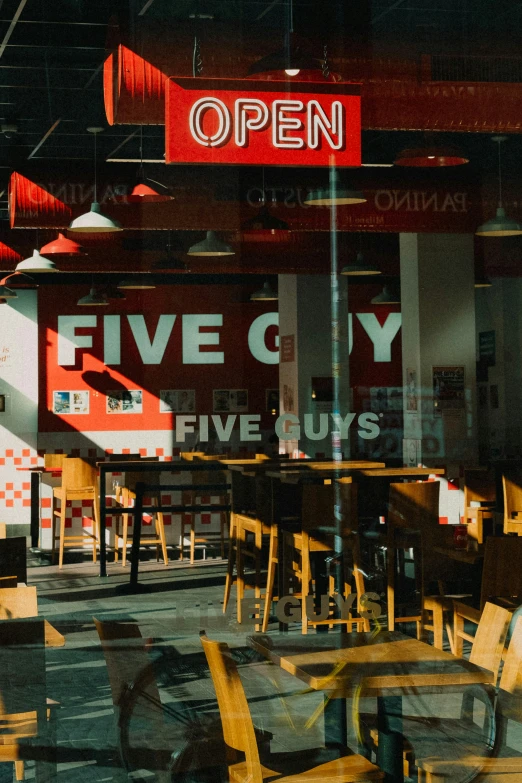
(438, 349)
(305, 369)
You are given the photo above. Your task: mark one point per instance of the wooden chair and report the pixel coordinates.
(25, 712)
(199, 497)
(318, 527)
(79, 482)
(499, 768)
(18, 602)
(502, 572)
(480, 494)
(512, 489)
(54, 460)
(239, 735)
(413, 508)
(125, 497)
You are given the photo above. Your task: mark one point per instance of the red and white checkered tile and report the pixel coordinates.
(15, 484)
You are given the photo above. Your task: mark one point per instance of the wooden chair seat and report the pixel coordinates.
(239, 736)
(493, 770)
(200, 497)
(125, 497)
(79, 482)
(318, 503)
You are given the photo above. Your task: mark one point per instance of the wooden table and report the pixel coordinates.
(36, 479)
(388, 665)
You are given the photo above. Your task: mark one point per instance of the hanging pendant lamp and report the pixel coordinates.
(388, 295)
(94, 221)
(265, 294)
(36, 264)
(501, 225)
(291, 60)
(211, 246)
(264, 227)
(169, 261)
(62, 246)
(360, 267)
(338, 195)
(94, 297)
(142, 193)
(431, 157)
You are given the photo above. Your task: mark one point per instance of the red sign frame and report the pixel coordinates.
(268, 123)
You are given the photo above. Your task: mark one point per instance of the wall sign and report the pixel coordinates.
(448, 388)
(235, 121)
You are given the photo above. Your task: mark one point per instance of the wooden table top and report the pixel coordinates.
(383, 664)
(292, 476)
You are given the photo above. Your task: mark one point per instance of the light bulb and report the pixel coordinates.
(292, 71)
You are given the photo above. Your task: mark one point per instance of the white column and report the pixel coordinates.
(305, 320)
(438, 331)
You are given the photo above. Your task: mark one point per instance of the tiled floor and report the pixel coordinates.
(94, 747)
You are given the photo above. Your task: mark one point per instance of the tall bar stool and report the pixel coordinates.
(126, 496)
(318, 528)
(79, 482)
(202, 496)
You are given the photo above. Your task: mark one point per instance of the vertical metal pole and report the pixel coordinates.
(136, 534)
(103, 521)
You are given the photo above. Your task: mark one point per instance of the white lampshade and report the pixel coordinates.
(36, 263)
(136, 283)
(94, 222)
(212, 245)
(265, 294)
(94, 297)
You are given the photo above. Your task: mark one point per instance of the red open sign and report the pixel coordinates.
(237, 121)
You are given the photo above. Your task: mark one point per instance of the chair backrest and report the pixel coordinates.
(18, 602)
(78, 473)
(238, 728)
(488, 644)
(479, 486)
(502, 571)
(512, 489)
(54, 460)
(319, 512)
(125, 657)
(511, 678)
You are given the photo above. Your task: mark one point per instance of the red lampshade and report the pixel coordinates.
(431, 157)
(143, 194)
(62, 246)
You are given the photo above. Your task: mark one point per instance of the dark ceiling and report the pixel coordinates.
(52, 54)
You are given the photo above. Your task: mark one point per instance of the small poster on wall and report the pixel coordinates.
(412, 400)
(230, 400)
(70, 402)
(448, 389)
(177, 401)
(126, 401)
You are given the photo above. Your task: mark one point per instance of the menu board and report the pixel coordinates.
(448, 389)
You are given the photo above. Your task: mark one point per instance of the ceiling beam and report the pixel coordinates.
(44, 138)
(387, 11)
(12, 26)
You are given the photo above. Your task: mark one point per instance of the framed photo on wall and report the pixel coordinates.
(177, 401)
(230, 400)
(125, 401)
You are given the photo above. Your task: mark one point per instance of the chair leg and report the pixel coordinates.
(19, 770)
(95, 526)
(61, 542)
(270, 579)
(239, 569)
(160, 528)
(192, 538)
(232, 545)
(305, 585)
(125, 531)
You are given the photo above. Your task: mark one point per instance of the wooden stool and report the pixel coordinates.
(318, 511)
(126, 495)
(197, 496)
(79, 482)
